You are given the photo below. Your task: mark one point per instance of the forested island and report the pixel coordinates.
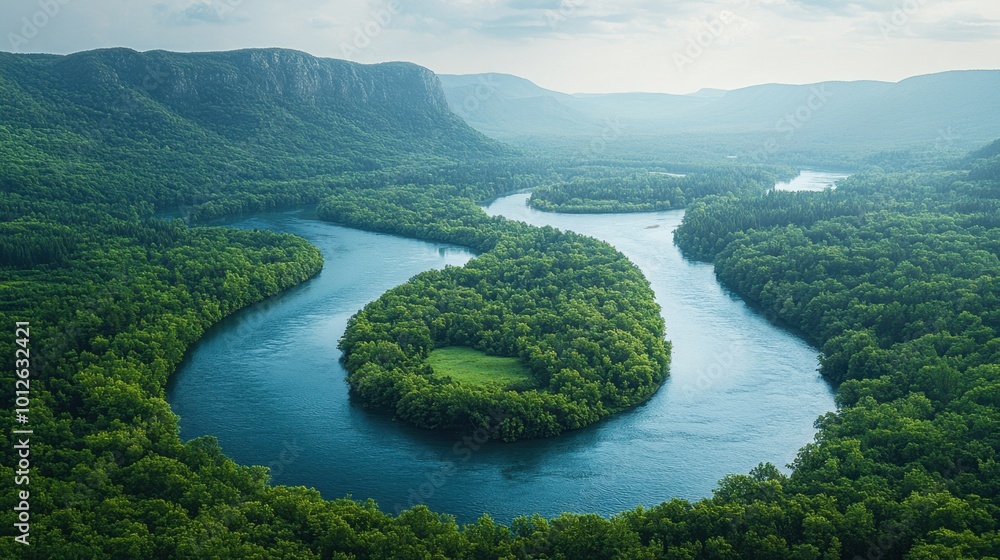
(894, 274)
(576, 313)
(613, 190)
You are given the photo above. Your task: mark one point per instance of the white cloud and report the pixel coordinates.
(570, 45)
(193, 12)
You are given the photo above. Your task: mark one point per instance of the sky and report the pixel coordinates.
(595, 46)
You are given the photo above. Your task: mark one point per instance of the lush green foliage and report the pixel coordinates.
(218, 132)
(113, 308)
(895, 274)
(898, 277)
(649, 191)
(575, 312)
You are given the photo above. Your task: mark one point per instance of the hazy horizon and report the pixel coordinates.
(572, 46)
(586, 93)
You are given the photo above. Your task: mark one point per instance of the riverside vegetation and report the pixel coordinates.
(895, 274)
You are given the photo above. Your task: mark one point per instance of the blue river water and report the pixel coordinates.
(268, 384)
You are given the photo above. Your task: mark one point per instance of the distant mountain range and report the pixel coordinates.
(259, 115)
(949, 111)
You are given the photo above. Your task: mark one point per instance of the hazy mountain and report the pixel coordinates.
(502, 106)
(952, 110)
(509, 86)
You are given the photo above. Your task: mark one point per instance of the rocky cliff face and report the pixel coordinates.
(276, 72)
(281, 76)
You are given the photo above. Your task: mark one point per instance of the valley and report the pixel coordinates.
(291, 306)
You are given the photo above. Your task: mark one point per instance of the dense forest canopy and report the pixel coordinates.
(574, 311)
(894, 273)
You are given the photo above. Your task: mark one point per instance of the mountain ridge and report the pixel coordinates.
(954, 110)
(219, 118)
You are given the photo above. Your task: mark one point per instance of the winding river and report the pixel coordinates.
(812, 181)
(268, 384)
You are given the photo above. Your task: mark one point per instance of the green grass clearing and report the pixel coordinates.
(466, 365)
